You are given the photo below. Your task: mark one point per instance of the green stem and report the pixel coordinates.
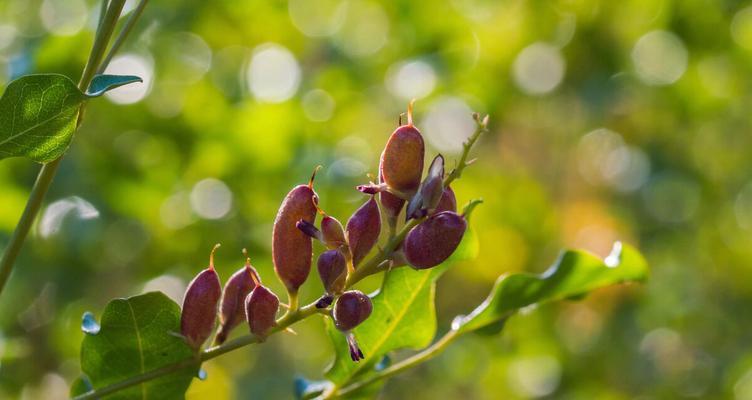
(123, 35)
(48, 171)
(416, 359)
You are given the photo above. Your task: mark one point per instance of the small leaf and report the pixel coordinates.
(137, 336)
(38, 115)
(104, 83)
(80, 386)
(575, 274)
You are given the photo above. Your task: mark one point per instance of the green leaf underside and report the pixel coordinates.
(39, 113)
(138, 335)
(574, 274)
(104, 83)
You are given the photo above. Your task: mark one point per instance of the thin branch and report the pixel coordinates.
(135, 14)
(48, 171)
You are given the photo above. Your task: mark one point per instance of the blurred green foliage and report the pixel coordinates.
(610, 120)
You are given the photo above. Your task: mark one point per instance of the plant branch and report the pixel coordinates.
(110, 13)
(135, 14)
(412, 361)
(294, 314)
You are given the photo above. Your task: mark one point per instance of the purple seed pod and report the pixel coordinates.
(434, 240)
(200, 305)
(401, 164)
(363, 229)
(391, 205)
(332, 267)
(351, 309)
(332, 232)
(448, 201)
(430, 192)
(292, 249)
(232, 306)
(261, 310)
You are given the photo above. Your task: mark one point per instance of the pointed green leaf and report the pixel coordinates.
(575, 274)
(39, 113)
(38, 116)
(137, 335)
(104, 83)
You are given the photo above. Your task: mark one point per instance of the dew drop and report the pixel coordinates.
(202, 375)
(614, 258)
(89, 325)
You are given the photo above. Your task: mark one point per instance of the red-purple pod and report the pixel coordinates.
(434, 240)
(332, 232)
(332, 267)
(363, 229)
(448, 201)
(391, 205)
(401, 165)
(232, 306)
(292, 250)
(200, 301)
(261, 310)
(350, 310)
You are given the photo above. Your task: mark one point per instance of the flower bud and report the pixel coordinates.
(401, 164)
(391, 205)
(232, 306)
(292, 249)
(431, 190)
(434, 240)
(448, 201)
(351, 309)
(200, 301)
(363, 229)
(261, 310)
(332, 267)
(332, 232)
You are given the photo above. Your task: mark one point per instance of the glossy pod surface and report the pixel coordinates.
(292, 249)
(261, 310)
(351, 309)
(199, 312)
(332, 267)
(402, 160)
(434, 240)
(363, 229)
(232, 305)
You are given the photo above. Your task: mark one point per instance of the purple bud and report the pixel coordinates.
(351, 309)
(200, 306)
(332, 232)
(430, 192)
(391, 205)
(324, 301)
(448, 201)
(434, 240)
(363, 230)
(332, 267)
(261, 310)
(309, 229)
(402, 160)
(232, 306)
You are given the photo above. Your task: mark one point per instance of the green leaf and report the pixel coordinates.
(404, 316)
(138, 335)
(104, 83)
(574, 274)
(39, 114)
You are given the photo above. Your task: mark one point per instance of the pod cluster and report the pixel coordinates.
(401, 194)
(243, 298)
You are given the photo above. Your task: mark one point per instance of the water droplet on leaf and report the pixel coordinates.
(89, 325)
(202, 375)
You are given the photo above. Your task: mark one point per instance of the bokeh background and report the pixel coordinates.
(611, 120)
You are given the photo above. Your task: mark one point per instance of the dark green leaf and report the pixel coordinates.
(104, 83)
(138, 335)
(574, 274)
(39, 114)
